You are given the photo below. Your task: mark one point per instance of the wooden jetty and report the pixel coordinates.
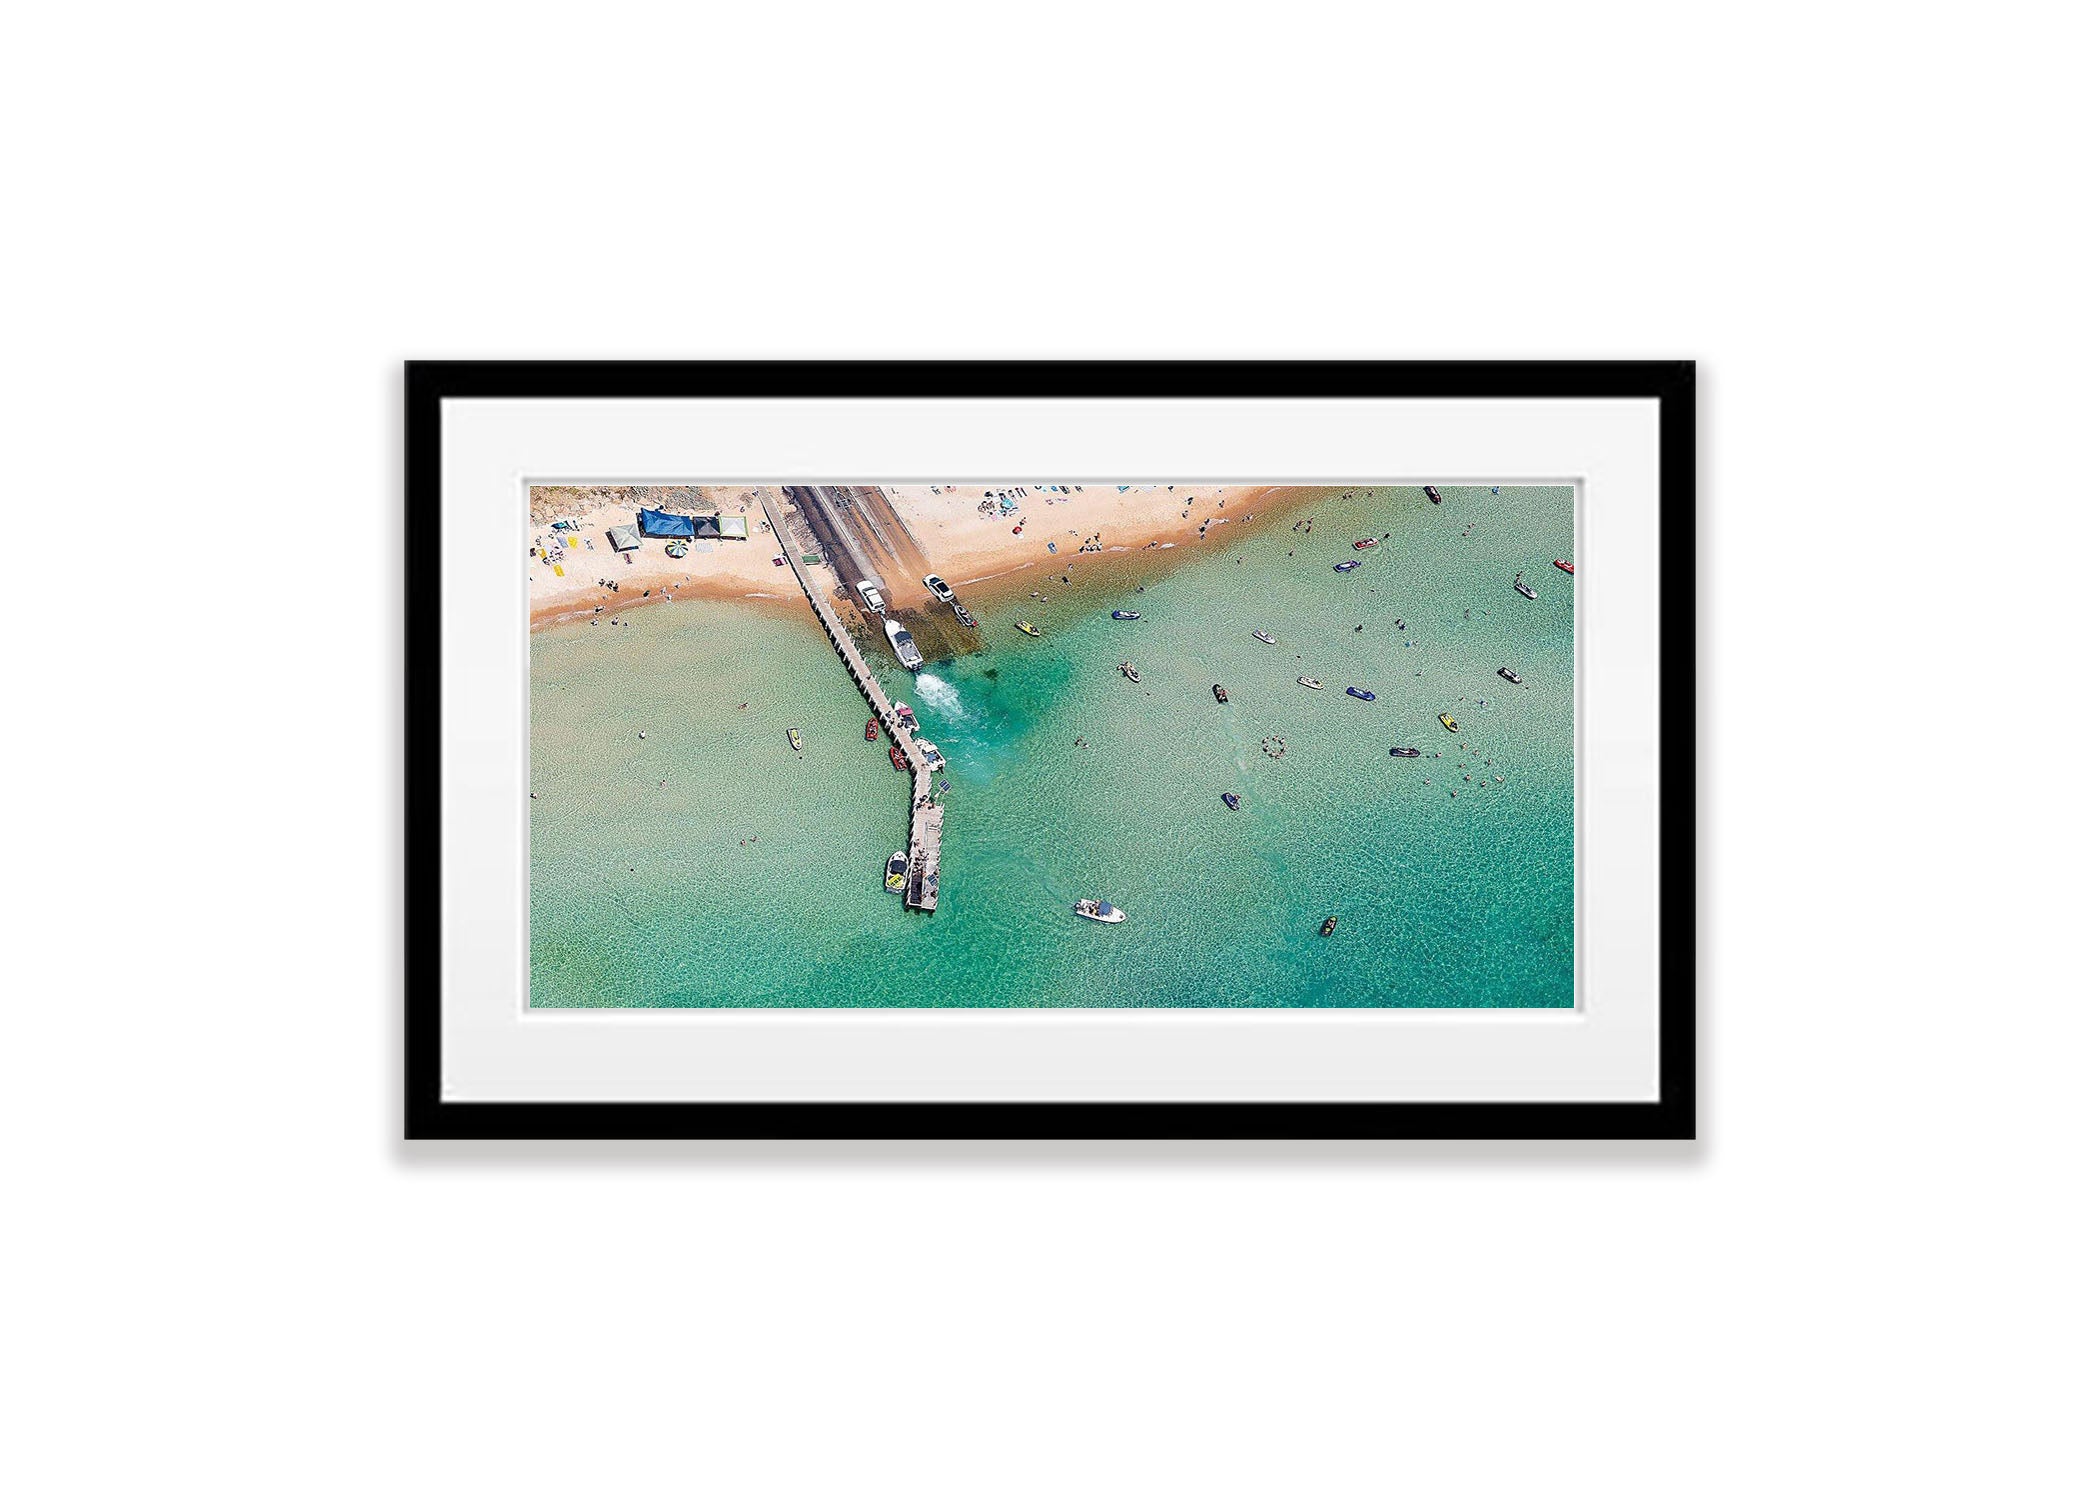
(922, 871)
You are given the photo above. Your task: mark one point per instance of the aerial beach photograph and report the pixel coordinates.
(1043, 744)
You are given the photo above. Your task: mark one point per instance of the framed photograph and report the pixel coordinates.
(904, 750)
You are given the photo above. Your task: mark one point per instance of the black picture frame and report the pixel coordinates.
(1671, 1116)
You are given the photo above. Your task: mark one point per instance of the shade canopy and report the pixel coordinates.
(663, 523)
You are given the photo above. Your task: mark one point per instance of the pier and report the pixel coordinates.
(922, 874)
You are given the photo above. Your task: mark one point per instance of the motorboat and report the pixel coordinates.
(795, 739)
(1448, 722)
(1367, 543)
(1311, 682)
(1265, 638)
(897, 759)
(1564, 566)
(964, 615)
(872, 726)
(893, 872)
(1025, 628)
(1434, 497)
(1128, 671)
(1124, 614)
(1232, 800)
(1344, 567)
(870, 595)
(907, 715)
(938, 587)
(1405, 752)
(1217, 691)
(1364, 693)
(906, 648)
(1327, 928)
(1525, 589)
(1098, 910)
(1507, 674)
(935, 761)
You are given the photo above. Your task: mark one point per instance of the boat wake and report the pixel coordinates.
(940, 696)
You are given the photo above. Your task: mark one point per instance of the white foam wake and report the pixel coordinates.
(938, 695)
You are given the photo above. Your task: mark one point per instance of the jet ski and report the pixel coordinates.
(1357, 692)
(1124, 614)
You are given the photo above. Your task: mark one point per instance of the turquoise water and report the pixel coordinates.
(642, 896)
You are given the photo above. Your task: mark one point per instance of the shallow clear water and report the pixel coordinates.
(642, 895)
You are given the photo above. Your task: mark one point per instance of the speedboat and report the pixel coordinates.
(964, 615)
(1343, 567)
(1405, 752)
(1025, 628)
(1565, 567)
(907, 716)
(935, 761)
(1265, 638)
(1448, 722)
(1098, 910)
(897, 759)
(871, 728)
(1232, 800)
(1434, 497)
(1217, 691)
(1311, 682)
(906, 648)
(1124, 614)
(795, 739)
(1363, 693)
(1525, 589)
(1327, 928)
(1128, 671)
(938, 587)
(1505, 672)
(893, 872)
(1367, 543)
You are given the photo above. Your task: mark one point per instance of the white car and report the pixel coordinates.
(940, 588)
(870, 595)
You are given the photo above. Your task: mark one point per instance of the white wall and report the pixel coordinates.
(228, 226)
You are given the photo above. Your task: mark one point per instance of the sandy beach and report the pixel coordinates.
(728, 569)
(959, 529)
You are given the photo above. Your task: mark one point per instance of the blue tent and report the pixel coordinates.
(663, 523)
